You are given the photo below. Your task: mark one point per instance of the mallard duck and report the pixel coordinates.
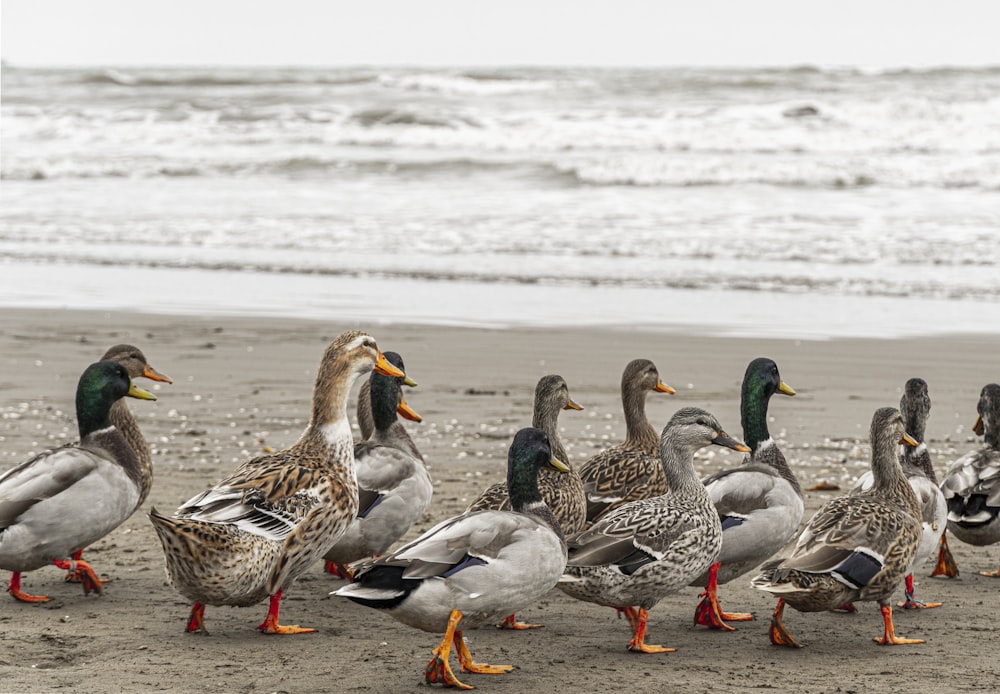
(856, 547)
(562, 493)
(915, 405)
(972, 484)
(474, 568)
(366, 422)
(252, 534)
(69, 497)
(630, 470)
(394, 487)
(137, 366)
(641, 552)
(759, 502)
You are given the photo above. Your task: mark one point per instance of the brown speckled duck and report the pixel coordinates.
(972, 484)
(137, 366)
(630, 470)
(69, 497)
(562, 492)
(856, 547)
(641, 552)
(252, 534)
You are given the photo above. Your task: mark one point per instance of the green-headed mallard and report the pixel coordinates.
(972, 484)
(856, 547)
(66, 498)
(759, 502)
(562, 493)
(394, 487)
(252, 534)
(630, 470)
(915, 406)
(137, 366)
(639, 553)
(474, 568)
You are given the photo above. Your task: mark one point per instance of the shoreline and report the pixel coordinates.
(496, 305)
(243, 383)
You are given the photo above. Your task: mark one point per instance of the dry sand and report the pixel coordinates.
(242, 384)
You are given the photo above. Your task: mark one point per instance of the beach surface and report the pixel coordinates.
(244, 383)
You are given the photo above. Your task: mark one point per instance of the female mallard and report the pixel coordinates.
(394, 487)
(856, 547)
(631, 470)
(136, 365)
(645, 550)
(759, 502)
(474, 568)
(915, 405)
(69, 497)
(562, 493)
(252, 534)
(972, 484)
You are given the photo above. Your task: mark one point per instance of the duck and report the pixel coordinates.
(66, 498)
(759, 502)
(562, 492)
(639, 553)
(252, 534)
(473, 568)
(856, 547)
(394, 486)
(136, 364)
(365, 419)
(972, 484)
(915, 406)
(630, 470)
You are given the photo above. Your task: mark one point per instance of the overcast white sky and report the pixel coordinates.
(876, 33)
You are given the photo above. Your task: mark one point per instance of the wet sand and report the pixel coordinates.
(245, 383)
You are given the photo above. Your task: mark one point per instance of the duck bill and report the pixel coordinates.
(570, 405)
(383, 367)
(978, 427)
(785, 389)
(909, 440)
(407, 381)
(559, 465)
(135, 391)
(662, 387)
(154, 375)
(724, 439)
(405, 412)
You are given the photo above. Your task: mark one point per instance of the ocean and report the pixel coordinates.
(800, 202)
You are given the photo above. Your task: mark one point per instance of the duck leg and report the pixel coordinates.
(779, 634)
(510, 622)
(631, 614)
(89, 579)
(438, 669)
(74, 576)
(338, 570)
(946, 565)
(889, 638)
(638, 643)
(911, 603)
(196, 622)
(709, 613)
(465, 659)
(15, 590)
(270, 624)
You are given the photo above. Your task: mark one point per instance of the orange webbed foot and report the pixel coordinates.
(946, 565)
(778, 633)
(91, 583)
(510, 622)
(270, 624)
(14, 588)
(889, 637)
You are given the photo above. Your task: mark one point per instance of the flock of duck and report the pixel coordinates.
(627, 528)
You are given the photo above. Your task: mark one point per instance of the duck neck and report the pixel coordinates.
(638, 431)
(123, 420)
(92, 411)
(329, 428)
(522, 487)
(753, 413)
(384, 395)
(887, 474)
(678, 467)
(547, 419)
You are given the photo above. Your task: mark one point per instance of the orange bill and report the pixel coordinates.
(662, 387)
(155, 375)
(406, 413)
(570, 405)
(383, 367)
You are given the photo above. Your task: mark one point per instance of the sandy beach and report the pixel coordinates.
(241, 384)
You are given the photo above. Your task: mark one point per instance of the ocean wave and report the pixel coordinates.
(178, 77)
(462, 84)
